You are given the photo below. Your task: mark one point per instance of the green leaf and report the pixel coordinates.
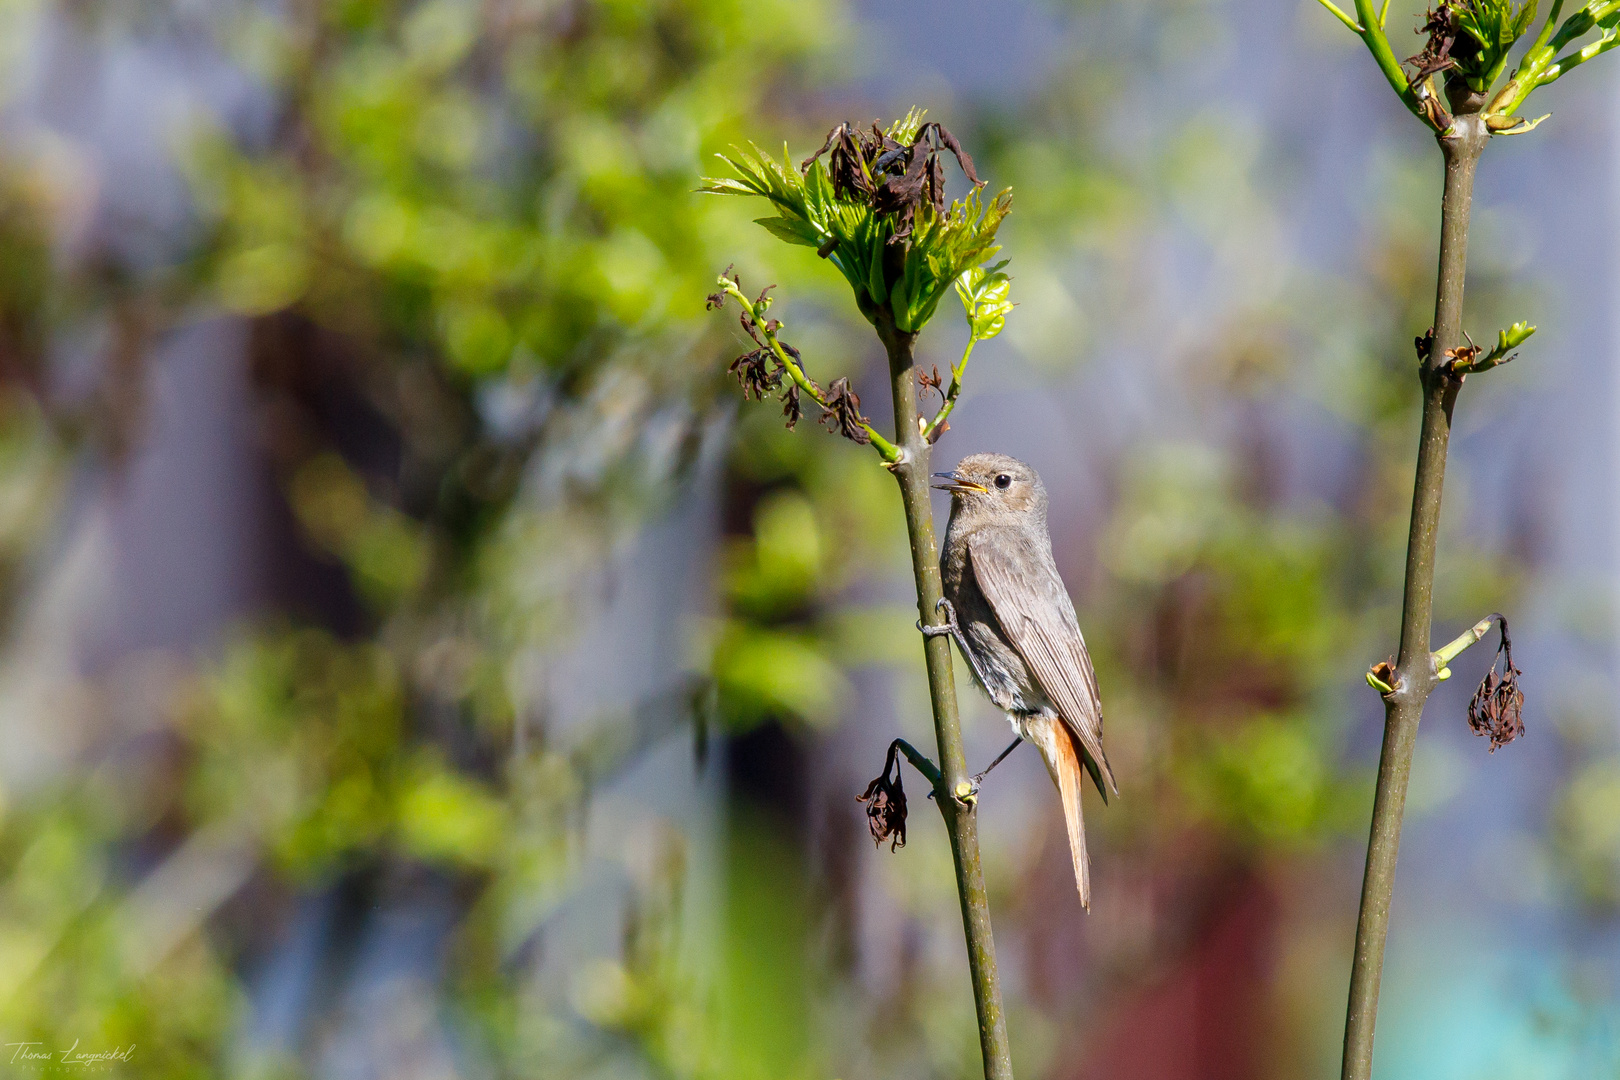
(794, 232)
(984, 292)
(1522, 22)
(1514, 336)
(725, 185)
(900, 304)
(876, 287)
(904, 130)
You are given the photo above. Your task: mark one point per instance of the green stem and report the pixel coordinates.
(1371, 30)
(930, 771)
(1542, 64)
(961, 820)
(1414, 675)
(1340, 15)
(1546, 30)
(1444, 655)
(930, 433)
(1566, 63)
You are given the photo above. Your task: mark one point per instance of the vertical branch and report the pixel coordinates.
(961, 820)
(1414, 675)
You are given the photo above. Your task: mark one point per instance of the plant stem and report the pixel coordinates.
(1414, 674)
(920, 762)
(937, 424)
(1371, 29)
(1467, 639)
(961, 820)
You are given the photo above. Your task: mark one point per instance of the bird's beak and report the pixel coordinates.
(959, 486)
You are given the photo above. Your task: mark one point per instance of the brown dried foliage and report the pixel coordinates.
(792, 410)
(931, 382)
(885, 801)
(1445, 36)
(760, 372)
(754, 371)
(841, 411)
(1497, 708)
(1424, 343)
(892, 178)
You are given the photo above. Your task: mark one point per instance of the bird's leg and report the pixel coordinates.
(953, 628)
(979, 779)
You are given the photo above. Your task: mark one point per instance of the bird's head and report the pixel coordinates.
(994, 484)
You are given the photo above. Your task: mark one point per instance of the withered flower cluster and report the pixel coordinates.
(888, 176)
(1497, 708)
(841, 412)
(1446, 45)
(931, 382)
(760, 372)
(1449, 46)
(885, 801)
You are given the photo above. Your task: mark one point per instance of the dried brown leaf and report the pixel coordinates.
(792, 410)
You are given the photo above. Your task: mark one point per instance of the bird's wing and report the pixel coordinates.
(1022, 584)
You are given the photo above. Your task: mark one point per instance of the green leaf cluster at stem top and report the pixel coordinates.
(1471, 40)
(903, 261)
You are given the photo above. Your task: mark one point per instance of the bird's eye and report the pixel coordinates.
(1003, 481)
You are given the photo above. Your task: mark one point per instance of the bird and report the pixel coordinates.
(1009, 613)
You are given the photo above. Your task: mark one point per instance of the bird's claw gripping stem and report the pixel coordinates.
(948, 627)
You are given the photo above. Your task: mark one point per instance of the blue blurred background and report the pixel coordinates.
(420, 663)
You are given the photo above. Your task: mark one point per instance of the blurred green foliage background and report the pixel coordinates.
(532, 753)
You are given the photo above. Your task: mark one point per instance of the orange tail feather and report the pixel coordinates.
(1070, 776)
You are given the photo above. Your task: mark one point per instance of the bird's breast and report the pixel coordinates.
(1006, 678)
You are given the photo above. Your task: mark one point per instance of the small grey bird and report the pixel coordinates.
(1012, 618)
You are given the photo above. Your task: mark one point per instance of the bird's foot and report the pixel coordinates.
(948, 627)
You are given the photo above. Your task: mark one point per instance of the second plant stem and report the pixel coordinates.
(1414, 675)
(961, 820)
